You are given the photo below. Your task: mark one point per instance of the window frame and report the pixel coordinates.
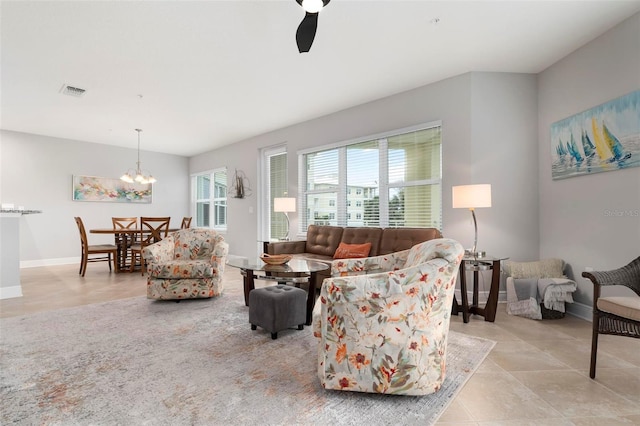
(267, 194)
(216, 199)
(342, 190)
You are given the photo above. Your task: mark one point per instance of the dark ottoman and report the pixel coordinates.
(277, 308)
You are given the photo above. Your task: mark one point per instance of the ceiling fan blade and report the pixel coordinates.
(307, 32)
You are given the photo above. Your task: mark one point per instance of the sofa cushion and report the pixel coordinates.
(323, 240)
(352, 251)
(361, 235)
(398, 239)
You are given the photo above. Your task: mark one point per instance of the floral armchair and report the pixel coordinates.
(186, 264)
(386, 332)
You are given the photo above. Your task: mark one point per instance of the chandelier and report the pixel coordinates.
(138, 175)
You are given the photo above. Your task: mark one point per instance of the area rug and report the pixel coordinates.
(143, 362)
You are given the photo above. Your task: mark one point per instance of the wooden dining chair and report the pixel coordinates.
(87, 250)
(186, 223)
(125, 241)
(152, 230)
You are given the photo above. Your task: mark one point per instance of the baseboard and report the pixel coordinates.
(10, 292)
(482, 296)
(234, 257)
(580, 310)
(49, 262)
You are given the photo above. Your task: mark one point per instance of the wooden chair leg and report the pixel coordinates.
(83, 267)
(109, 260)
(594, 347)
(142, 264)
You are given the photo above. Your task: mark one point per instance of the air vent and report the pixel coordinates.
(72, 91)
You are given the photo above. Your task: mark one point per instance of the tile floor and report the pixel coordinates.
(537, 374)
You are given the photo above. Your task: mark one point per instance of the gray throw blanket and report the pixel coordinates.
(522, 299)
(524, 295)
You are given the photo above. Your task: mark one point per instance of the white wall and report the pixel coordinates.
(573, 222)
(489, 136)
(36, 172)
(504, 137)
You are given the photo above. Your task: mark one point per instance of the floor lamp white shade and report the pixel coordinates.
(285, 205)
(472, 197)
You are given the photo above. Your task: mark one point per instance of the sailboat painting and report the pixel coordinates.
(601, 139)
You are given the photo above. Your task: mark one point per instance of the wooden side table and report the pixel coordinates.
(477, 264)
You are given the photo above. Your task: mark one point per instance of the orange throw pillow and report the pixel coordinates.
(350, 251)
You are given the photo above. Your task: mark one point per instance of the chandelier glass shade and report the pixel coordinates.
(138, 175)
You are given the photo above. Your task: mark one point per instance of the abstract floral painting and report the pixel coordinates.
(92, 188)
(601, 139)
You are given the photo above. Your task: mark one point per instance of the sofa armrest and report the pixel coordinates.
(369, 265)
(287, 247)
(159, 252)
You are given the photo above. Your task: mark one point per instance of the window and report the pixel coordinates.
(396, 179)
(210, 199)
(277, 189)
(273, 184)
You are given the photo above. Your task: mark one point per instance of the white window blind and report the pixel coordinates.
(277, 172)
(321, 186)
(393, 180)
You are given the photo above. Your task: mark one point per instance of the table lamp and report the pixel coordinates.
(285, 205)
(472, 197)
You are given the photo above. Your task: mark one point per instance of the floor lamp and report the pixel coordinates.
(472, 197)
(285, 205)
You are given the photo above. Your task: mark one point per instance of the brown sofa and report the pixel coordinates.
(322, 242)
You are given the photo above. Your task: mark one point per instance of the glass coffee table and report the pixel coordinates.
(295, 271)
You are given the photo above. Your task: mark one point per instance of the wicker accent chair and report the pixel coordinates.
(617, 315)
(386, 332)
(187, 264)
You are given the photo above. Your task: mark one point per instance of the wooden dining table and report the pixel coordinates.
(126, 235)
